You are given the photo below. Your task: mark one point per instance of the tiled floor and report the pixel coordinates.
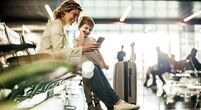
(146, 98)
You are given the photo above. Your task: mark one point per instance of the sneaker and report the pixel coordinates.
(164, 83)
(145, 84)
(125, 106)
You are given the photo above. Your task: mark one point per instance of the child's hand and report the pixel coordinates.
(82, 33)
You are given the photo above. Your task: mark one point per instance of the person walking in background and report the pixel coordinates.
(163, 66)
(86, 26)
(121, 54)
(56, 43)
(150, 71)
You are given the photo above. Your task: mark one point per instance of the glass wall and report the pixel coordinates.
(198, 40)
(171, 38)
(175, 38)
(140, 9)
(146, 37)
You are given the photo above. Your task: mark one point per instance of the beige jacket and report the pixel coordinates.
(55, 42)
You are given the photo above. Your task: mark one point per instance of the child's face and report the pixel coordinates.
(86, 30)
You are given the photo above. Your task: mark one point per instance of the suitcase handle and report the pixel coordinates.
(126, 72)
(129, 82)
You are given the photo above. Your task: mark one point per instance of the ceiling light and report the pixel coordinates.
(147, 29)
(192, 16)
(123, 17)
(49, 11)
(181, 23)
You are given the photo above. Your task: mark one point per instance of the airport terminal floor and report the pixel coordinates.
(147, 98)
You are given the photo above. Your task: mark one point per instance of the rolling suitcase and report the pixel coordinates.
(125, 81)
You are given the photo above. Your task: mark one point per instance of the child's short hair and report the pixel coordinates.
(86, 20)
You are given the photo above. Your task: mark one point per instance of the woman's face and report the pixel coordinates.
(86, 30)
(71, 17)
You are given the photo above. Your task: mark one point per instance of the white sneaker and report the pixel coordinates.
(122, 105)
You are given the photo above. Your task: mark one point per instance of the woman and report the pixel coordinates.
(55, 42)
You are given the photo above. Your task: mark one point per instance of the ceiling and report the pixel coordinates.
(25, 11)
(18, 12)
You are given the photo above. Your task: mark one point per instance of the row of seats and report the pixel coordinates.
(27, 74)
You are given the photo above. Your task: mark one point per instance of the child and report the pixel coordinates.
(85, 26)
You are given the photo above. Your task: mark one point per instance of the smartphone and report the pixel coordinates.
(100, 40)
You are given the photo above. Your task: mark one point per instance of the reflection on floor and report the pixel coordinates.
(146, 98)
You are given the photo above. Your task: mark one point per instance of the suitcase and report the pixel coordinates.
(125, 81)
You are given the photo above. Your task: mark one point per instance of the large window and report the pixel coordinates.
(198, 40)
(172, 38)
(140, 9)
(146, 38)
(196, 8)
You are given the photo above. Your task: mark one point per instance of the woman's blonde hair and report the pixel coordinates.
(66, 6)
(85, 20)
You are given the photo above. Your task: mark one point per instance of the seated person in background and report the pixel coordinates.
(173, 63)
(180, 66)
(193, 59)
(85, 26)
(177, 66)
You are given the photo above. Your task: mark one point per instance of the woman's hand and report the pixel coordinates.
(106, 66)
(90, 47)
